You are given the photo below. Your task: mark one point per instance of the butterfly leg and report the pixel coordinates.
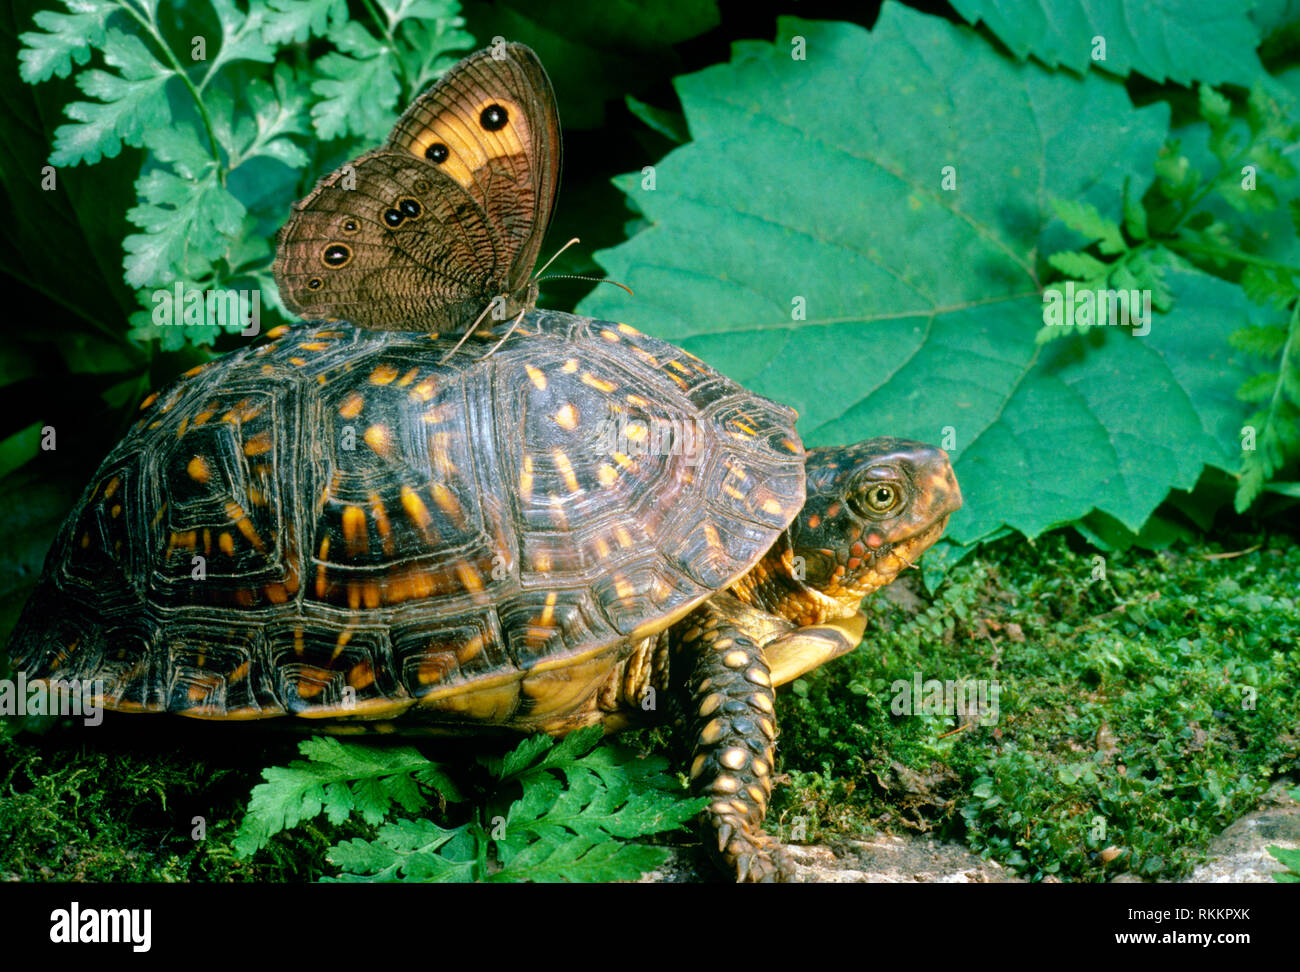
(517, 321)
(468, 331)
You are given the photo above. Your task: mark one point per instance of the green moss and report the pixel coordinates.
(1120, 729)
(1140, 711)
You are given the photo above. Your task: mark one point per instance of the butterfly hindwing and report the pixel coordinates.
(406, 249)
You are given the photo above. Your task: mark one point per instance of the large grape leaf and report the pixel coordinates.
(821, 180)
(1182, 40)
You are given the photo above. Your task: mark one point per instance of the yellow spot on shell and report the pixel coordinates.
(415, 508)
(548, 611)
(379, 438)
(469, 577)
(227, 543)
(407, 378)
(536, 376)
(258, 445)
(383, 375)
(355, 532)
(447, 501)
(526, 479)
(148, 401)
(241, 521)
(423, 391)
(600, 384)
(565, 467)
(198, 469)
(352, 406)
(570, 366)
(607, 474)
(567, 417)
(280, 330)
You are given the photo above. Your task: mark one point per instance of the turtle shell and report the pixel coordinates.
(335, 524)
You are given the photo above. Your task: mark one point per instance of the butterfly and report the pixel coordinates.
(446, 218)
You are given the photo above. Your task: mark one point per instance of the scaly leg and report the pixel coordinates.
(732, 725)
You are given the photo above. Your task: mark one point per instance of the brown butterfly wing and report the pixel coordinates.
(491, 125)
(407, 249)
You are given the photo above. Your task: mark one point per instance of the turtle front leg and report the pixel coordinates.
(732, 723)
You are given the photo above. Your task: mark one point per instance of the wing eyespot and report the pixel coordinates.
(336, 255)
(493, 118)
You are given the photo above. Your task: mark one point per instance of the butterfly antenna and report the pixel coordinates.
(470, 330)
(574, 276)
(538, 274)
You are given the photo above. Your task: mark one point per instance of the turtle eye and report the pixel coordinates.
(879, 498)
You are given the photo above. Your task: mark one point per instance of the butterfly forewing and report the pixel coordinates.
(423, 233)
(491, 124)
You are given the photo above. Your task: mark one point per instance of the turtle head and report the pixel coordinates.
(872, 509)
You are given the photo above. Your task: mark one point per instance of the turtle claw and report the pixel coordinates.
(761, 861)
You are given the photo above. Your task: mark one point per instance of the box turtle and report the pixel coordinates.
(589, 526)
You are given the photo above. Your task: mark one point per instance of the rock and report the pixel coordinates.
(1239, 854)
(885, 859)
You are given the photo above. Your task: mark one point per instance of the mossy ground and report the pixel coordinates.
(1139, 713)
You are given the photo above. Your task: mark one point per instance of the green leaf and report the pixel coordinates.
(340, 779)
(357, 96)
(241, 35)
(404, 850)
(15, 366)
(1084, 219)
(1266, 339)
(1184, 41)
(294, 21)
(1258, 388)
(1135, 214)
(582, 859)
(129, 104)
(1288, 857)
(187, 224)
(278, 110)
(20, 448)
(921, 317)
(433, 46)
(65, 39)
(670, 124)
(1080, 266)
